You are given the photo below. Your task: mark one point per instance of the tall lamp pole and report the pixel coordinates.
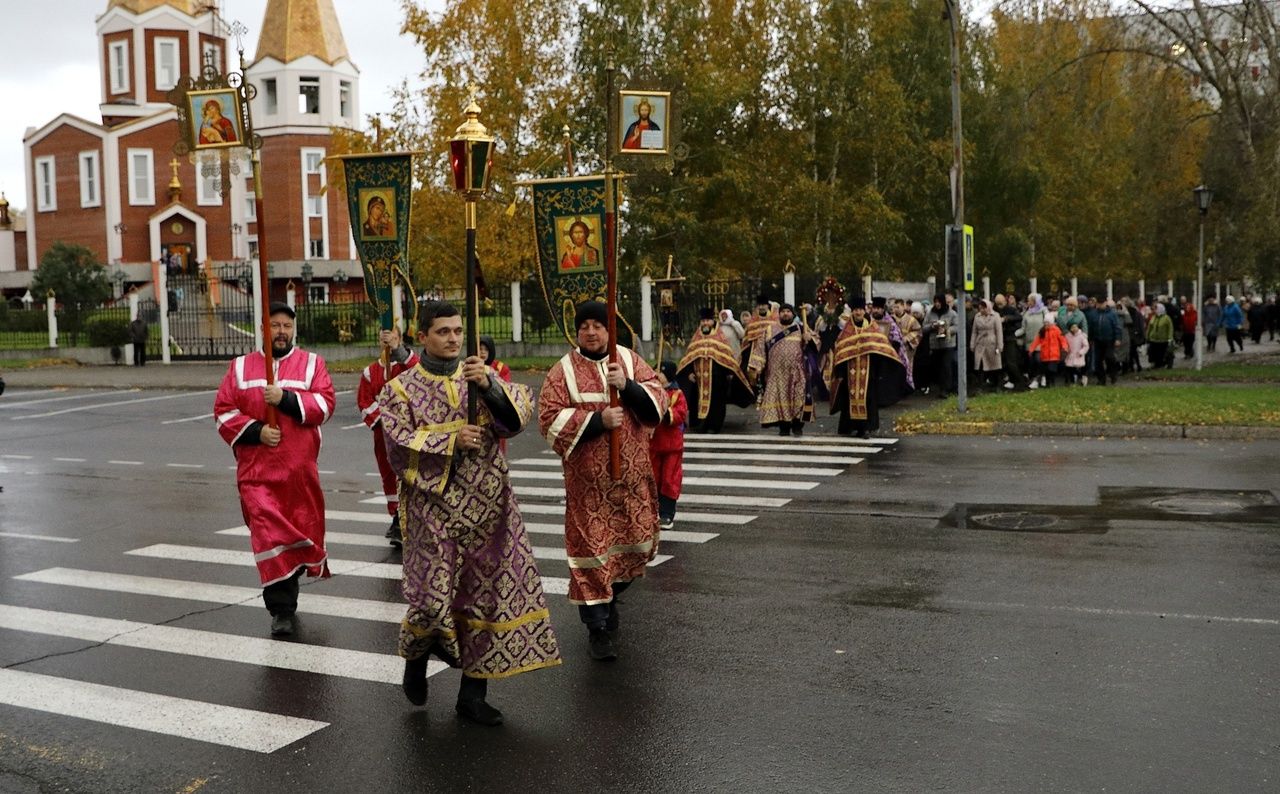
(1203, 198)
(957, 155)
(471, 156)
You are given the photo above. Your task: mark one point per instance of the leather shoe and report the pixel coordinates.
(393, 532)
(281, 625)
(602, 649)
(415, 680)
(479, 712)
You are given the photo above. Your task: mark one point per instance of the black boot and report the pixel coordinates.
(471, 704)
(612, 622)
(415, 680)
(602, 649)
(393, 531)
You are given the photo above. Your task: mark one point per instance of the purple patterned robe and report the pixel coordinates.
(470, 578)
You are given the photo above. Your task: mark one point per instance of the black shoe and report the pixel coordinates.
(601, 646)
(415, 680)
(479, 712)
(282, 625)
(393, 532)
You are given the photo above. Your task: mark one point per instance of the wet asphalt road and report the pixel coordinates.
(874, 634)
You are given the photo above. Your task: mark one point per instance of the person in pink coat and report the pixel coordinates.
(1077, 348)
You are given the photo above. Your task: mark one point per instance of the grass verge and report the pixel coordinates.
(1157, 404)
(1247, 370)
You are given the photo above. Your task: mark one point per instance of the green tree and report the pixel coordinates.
(77, 280)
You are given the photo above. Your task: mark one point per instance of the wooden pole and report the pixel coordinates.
(265, 297)
(611, 262)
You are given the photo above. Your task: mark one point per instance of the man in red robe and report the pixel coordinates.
(610, 526)
(398, 358)
(276, 472)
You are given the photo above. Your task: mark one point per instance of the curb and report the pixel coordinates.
(1074, 430)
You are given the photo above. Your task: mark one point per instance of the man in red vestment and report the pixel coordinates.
(276, 472)
(375, 376)
(610, 526)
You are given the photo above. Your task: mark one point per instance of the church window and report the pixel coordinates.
(166, 64)
(308, 95)
(344, 99)
(118, 56)
(269, 91)
(46, 187)
(211, 55)
(90, 194)
(141, 178)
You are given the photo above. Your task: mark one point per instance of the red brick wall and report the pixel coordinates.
(282, 197)
(20, 249)
(70, 223)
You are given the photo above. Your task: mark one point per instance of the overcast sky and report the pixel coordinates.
(50, 65)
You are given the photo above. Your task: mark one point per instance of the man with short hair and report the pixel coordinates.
(470, 579)
(276, 471)
(778, 357)
(395, 359)
(610, 525)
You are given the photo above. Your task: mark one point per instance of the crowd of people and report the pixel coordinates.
(471, 583)
(1012, 344)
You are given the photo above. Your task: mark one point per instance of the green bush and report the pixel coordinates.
(107, 332)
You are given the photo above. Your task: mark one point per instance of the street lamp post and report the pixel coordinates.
(957, 154)
(470, 157)
(1203, 197)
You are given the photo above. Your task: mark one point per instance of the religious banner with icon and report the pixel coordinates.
(379, 195)
(568, 227)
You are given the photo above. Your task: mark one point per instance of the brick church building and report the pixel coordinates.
(115, 186)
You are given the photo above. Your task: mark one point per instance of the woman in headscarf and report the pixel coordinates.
(1159, 337)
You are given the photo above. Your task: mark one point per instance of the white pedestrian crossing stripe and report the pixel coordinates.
(245, 729)
(338, 567)
(362, 665)
(707, 482)
(728, 468)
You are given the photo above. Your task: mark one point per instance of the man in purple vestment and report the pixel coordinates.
(473, 588)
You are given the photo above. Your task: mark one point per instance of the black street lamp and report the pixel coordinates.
(470, 157)
(1204, 196)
